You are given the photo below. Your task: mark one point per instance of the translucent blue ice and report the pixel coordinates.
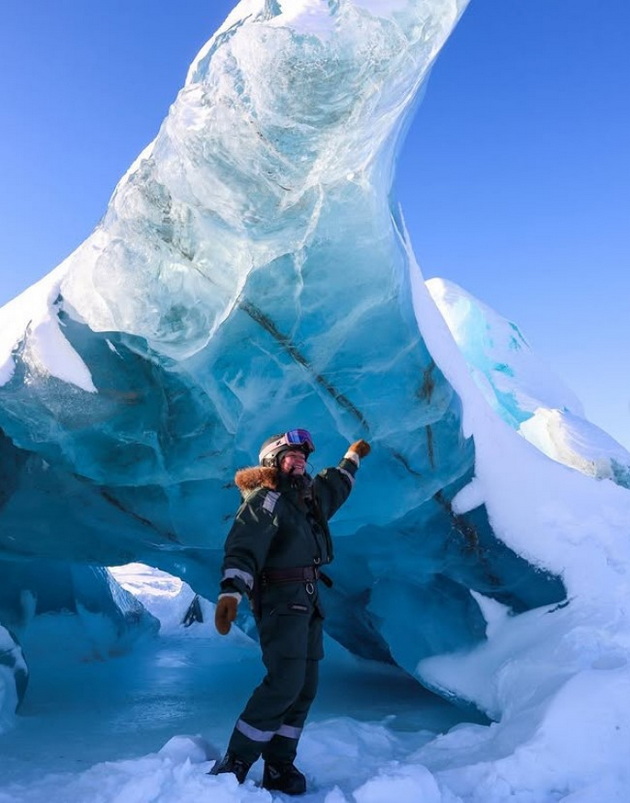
(248, 277)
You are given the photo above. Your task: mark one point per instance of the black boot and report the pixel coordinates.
(233, 764)
(283, 777)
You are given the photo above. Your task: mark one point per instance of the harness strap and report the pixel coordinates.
(300, 574)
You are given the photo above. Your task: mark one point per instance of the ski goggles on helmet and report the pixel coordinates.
(294, 438)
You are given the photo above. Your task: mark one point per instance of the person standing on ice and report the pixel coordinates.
(273, 554)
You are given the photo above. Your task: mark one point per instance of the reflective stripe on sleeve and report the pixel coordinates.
(270, 501)
(246, 577)
(253, 733)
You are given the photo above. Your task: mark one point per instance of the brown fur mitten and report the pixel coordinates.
(225, 614)
(362, 448)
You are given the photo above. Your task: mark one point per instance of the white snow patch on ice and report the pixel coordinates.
(49, 353)
(523, 390)
(575, 442)
(402, 784)
(312, 17)
(556, 679)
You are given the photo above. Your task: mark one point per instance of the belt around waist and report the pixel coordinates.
(300, 574)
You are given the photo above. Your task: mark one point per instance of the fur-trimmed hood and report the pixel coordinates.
(250, 479)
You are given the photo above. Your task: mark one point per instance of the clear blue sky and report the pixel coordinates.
(515, 177)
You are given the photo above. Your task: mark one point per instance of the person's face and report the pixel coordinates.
(293, 462)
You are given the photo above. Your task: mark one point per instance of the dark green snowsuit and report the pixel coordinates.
(281, 531)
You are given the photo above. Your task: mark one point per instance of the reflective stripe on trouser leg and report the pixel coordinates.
(290, 644)
(264, 713)
(253, 733)
(289, 731)
(248, 742)
(283, 747)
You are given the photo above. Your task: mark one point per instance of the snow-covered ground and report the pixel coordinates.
(145, 726)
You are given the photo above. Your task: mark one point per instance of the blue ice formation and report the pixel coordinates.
(523, 391)
(105, 617)
(248, 276)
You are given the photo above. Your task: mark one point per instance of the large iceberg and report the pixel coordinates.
(253, 272)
